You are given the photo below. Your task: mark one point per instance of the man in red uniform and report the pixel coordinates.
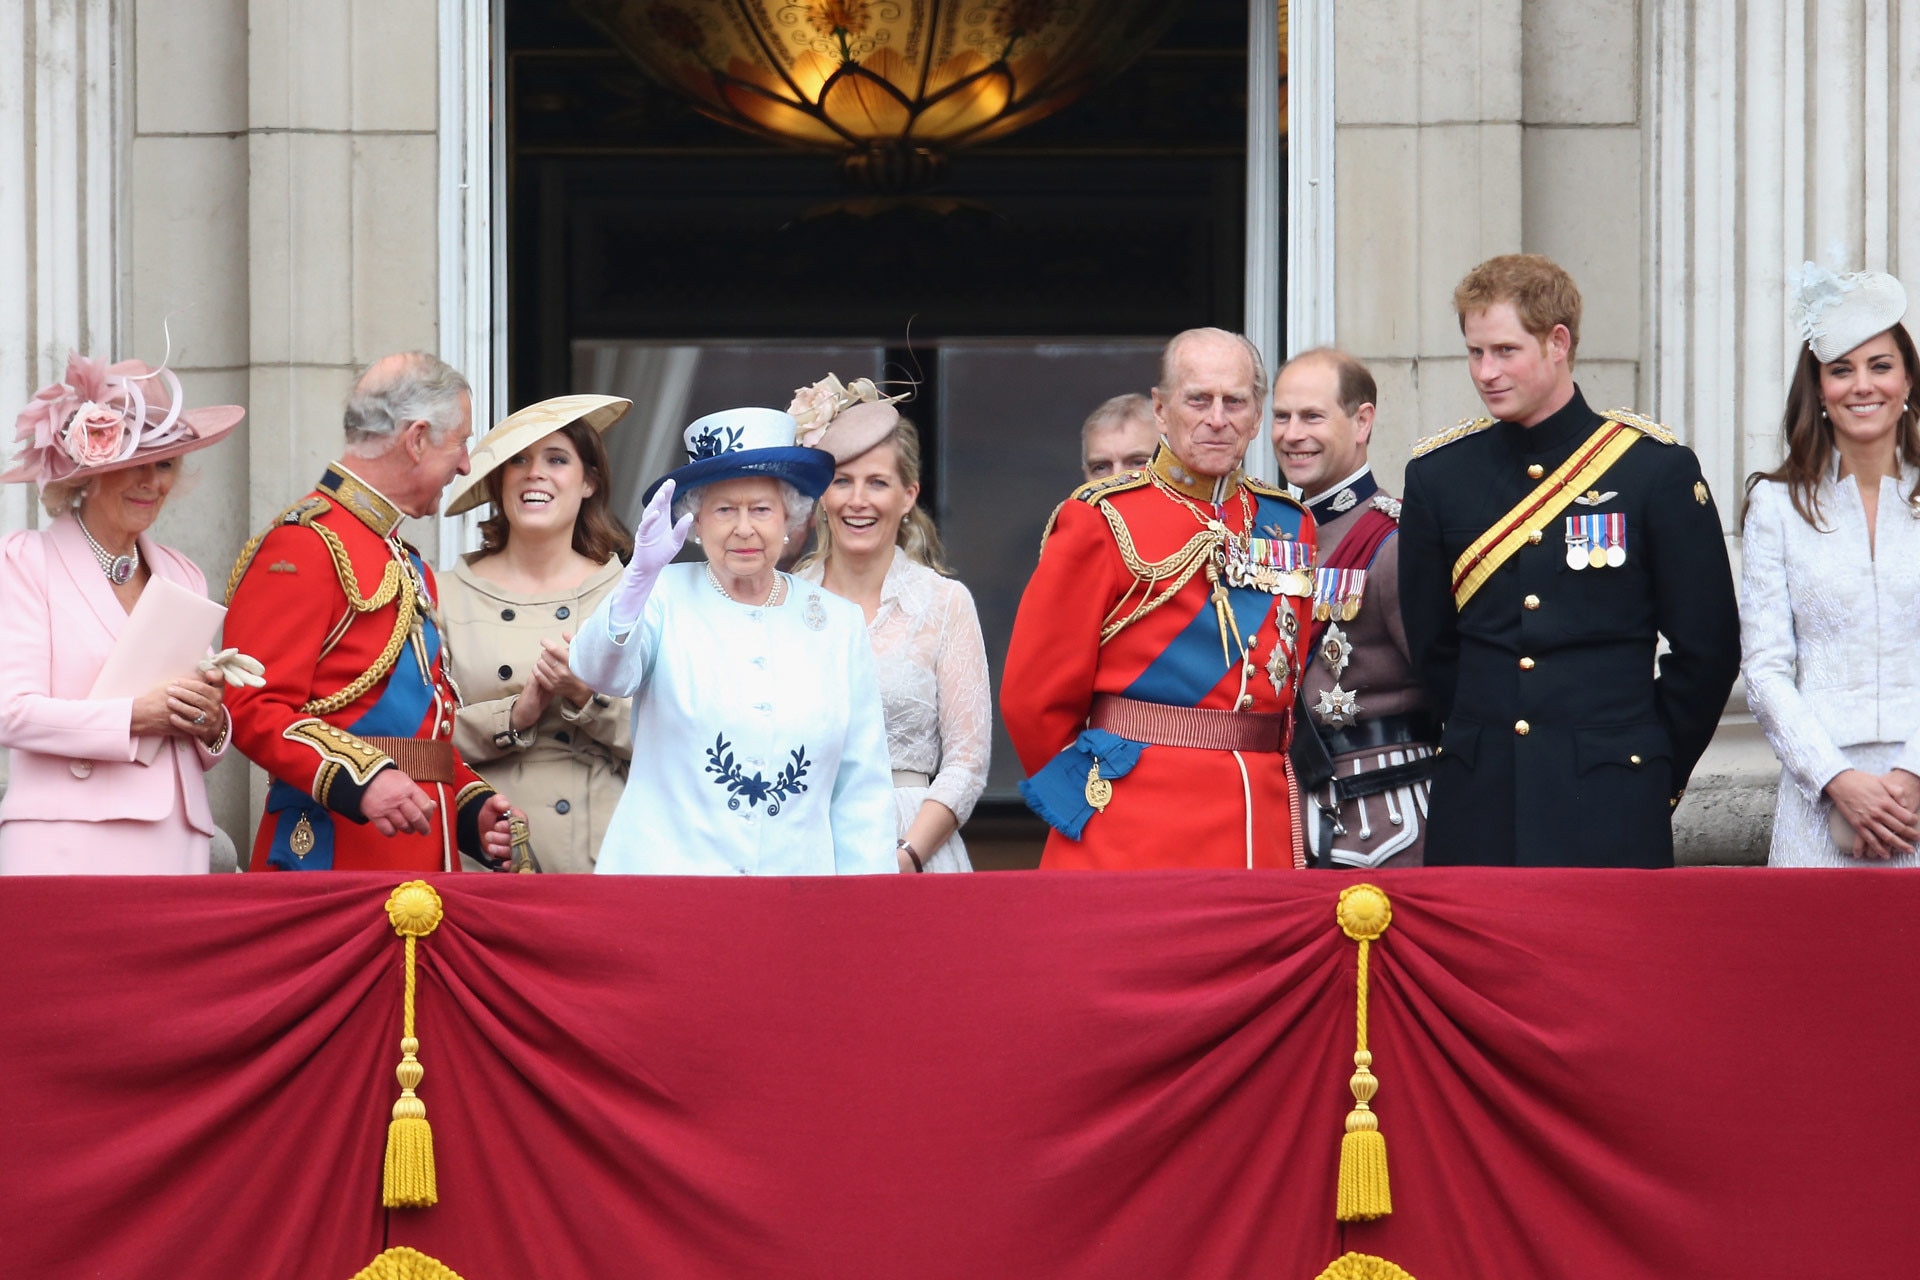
(355, 720)
(1152, 671)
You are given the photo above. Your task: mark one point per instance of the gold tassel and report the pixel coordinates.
(415, 911)
(1364, 914)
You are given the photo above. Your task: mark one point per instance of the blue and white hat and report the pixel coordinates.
(748, 442)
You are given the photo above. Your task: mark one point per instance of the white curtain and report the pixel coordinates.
(646, 444)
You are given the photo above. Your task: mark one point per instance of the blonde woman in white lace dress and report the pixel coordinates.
(1830, 591)
(879, 550)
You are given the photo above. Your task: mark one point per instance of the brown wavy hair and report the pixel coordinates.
(1809, 436)
(597, 532)
(919, 537)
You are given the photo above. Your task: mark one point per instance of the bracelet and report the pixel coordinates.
(913, 853)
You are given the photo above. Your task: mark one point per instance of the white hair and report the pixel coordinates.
(416, 387)
(1170, 357)
(799, 506)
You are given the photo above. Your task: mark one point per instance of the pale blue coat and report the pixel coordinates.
(759, 746)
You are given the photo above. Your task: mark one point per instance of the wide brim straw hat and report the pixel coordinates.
(748, 442)
(519, 430)
(107, 417)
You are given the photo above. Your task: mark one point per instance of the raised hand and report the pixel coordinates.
(657, 541)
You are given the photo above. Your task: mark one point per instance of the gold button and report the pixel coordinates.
(1522, 728)
(1535, 471)
(1526, 664)
(1534, 537)
(1531, 602)
(1633, 759)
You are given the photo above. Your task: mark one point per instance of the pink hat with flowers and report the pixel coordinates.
(103, 417)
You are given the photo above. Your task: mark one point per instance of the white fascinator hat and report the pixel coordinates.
(1837, 312)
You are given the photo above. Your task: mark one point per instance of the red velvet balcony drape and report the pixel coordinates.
(1583, 1074)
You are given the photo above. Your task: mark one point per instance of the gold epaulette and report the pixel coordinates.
(1268, 489)
(1439, 439)
(1645, 426)
(1094, 490)
(305, 511)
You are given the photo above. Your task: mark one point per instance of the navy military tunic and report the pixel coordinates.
(1560, 747)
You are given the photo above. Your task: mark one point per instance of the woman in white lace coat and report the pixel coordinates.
(879, 550)
(1830, 591)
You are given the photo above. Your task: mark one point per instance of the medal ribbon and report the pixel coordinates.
(1481, 560)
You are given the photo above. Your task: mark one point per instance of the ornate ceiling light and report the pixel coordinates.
(892, 84)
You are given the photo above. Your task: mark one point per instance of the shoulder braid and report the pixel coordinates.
(1460, 431)
(1646, 426)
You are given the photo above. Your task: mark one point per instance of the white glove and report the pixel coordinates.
(655, 543)
(236, 668)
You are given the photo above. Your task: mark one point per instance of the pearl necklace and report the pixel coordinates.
(773, 596)
(119, 569)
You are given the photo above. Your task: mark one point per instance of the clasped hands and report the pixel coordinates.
(1882, 809)
(395, 803)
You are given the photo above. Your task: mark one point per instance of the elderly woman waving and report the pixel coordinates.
(759, 747)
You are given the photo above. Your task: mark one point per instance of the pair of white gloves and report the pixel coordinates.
(655, 543)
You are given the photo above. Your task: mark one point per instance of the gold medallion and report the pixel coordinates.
(1597, 558)
(300, 840)
(1099, 790)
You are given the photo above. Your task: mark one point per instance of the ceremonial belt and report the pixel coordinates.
(1200, 727)
(422, 759)
(1382, 731)
(1497, 545)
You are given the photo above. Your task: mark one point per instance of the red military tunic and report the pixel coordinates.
(341, 612)
(1178, 806)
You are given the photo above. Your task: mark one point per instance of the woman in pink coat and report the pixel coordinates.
(104, 447)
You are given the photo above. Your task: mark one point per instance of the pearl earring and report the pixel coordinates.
(785, 540)
(696, 539)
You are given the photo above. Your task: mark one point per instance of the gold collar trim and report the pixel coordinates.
(361, 500)
(1167, 469)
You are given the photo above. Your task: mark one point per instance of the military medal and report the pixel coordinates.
(1099, 789)
(1278, 669)
(1278, 566)
(301, 839)
(1338, 707)
(1597, 542)
(1336, 651)
(1337, 592)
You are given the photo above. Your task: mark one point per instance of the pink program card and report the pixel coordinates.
(165, 637)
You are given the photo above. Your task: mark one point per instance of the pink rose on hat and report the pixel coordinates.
(95, 434)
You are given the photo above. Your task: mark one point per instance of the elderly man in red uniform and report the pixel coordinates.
(355, 720)
(1152, 672)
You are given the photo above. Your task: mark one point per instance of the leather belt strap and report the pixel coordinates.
(1391, 778)
(422, 759)
(911, 778)
(1199, 727)
(1381, 731)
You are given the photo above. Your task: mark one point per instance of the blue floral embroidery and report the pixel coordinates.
(754, 789)
(714, 441)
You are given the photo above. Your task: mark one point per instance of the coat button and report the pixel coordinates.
(1534, 537)
(506, 672)
(1535, 471)
(563, 613)
(1634, 760)
(1531, 602)
(561, 806)
(1522, 728)
(1526, 664)
(506, 615)
(81, 768)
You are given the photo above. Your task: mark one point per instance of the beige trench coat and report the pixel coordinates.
(570, 778)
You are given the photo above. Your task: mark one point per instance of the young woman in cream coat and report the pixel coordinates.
(551, 550)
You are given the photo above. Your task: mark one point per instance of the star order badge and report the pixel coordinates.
(1338, 707)
(1278, 669)
(1336, 651)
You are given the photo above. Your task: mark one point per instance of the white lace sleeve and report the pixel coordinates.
(966, 704)
(1770, 652)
